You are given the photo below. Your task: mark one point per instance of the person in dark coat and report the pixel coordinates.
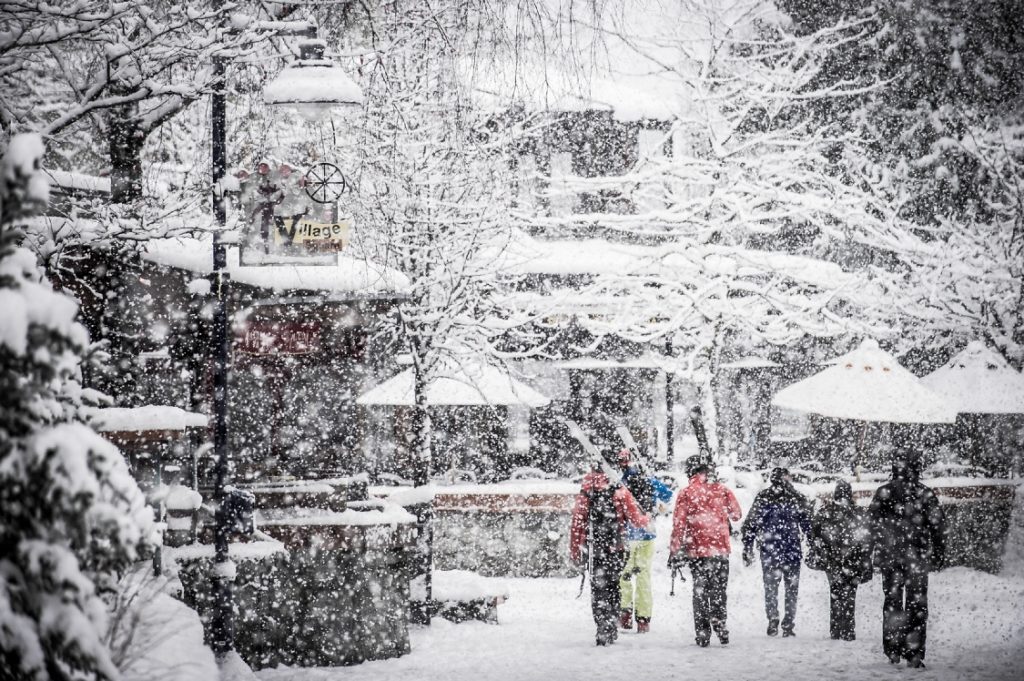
(908, 530)
(775, 522)
(840, 544)
(597, 542)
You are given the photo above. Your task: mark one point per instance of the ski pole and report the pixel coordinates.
(672, 591)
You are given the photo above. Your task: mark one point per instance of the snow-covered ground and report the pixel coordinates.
(976, 632)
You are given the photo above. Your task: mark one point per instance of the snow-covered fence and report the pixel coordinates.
(510, 529)
(977, 511)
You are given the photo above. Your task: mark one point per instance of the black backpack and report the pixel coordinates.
(642, 489)
(605, 531)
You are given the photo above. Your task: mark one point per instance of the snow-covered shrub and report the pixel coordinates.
(71, 516)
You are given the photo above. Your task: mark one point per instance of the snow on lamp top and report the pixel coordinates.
(867, 384)
(313, 84)
(979, 381)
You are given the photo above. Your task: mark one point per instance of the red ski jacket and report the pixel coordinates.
(626, 509)
(700, 523)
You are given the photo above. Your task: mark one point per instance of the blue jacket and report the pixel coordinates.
(662, 492)
(778, 517)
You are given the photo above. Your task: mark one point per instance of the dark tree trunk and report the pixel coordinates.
(421, 456)
(126, 140)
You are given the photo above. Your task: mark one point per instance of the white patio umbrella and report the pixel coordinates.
(979, 381)
(867, 384)
(470, 384)
(984, 388)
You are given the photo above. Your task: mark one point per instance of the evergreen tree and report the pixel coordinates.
(71, 516)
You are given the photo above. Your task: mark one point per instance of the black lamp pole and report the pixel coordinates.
(222, 631)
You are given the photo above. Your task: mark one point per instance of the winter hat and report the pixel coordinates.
(906, 467)
(696, 464)
(624, 457)
(843, 492)
(779, 475)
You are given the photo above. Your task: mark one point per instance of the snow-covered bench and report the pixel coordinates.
(461, 595)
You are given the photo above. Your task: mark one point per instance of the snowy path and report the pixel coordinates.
(976, 632)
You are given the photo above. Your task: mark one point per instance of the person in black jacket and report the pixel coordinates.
(840, 544)
(597, 543)
(777, 519)
(907, 526)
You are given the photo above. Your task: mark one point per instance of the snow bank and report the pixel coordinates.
(156, 636)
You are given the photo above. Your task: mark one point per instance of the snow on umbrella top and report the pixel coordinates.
(472, 384)
(979, 381)
(867, 384)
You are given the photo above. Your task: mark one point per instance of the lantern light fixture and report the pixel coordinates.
(313, 85)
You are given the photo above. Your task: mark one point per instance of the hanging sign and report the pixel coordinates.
(290, 231)
(279, 338)
(292, 217)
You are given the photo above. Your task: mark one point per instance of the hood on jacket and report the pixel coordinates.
(778, 476)
(595, 481)
(696, 464)
(843, 493)
(780, 489)
(906, 468)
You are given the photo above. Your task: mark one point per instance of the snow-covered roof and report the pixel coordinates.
(979, 381)
(867, 384)
(469, 384)
(150, 417)
(351, 276)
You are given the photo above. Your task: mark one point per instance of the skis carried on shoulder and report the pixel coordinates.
(593, 452)
(631, 445)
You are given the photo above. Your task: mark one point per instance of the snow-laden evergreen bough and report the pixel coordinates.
(71, 516)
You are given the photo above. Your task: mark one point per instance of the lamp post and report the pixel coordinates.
(312, 82)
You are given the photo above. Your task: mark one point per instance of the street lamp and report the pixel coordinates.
(312, 85)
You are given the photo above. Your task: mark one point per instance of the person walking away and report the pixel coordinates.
(908, 529)
(635, 582)
(840, 545)
(777, 518)
(597, 543)
(700, 538)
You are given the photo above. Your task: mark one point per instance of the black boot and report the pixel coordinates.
(723, 633)
(773, 627)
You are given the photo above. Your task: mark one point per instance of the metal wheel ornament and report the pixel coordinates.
(325, 183)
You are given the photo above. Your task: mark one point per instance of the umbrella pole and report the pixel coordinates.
(860, 450)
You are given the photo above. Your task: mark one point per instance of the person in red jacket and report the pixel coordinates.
(597, 542)
(700, 538)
